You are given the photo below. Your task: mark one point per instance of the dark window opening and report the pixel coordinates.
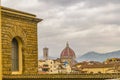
(15, 55)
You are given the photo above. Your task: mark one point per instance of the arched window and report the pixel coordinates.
(15, 56)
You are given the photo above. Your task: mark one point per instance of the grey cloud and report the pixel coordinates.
(89, 3)
(60, 2)
(86, 24)
(97, 3)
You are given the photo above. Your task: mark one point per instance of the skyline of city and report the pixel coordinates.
(86, 25)
(23, 40)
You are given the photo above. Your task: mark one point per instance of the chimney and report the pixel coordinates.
(45, 53)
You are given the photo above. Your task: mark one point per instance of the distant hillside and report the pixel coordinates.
(94, 56)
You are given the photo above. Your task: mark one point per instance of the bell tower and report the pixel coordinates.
(45, 53)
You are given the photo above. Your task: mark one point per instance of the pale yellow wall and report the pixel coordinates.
(68, 69)
(96, 70)
(52, 65)
(40, 64)
(78, 66)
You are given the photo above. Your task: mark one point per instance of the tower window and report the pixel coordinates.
(15, 56)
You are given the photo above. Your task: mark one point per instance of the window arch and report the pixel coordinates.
(16, 56)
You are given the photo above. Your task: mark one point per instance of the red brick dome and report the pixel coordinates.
(68, 52)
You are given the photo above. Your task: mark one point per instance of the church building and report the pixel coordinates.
(68, 55)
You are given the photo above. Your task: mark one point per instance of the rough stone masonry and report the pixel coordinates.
(22, 26)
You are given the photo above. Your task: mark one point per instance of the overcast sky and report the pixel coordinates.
(88, 25)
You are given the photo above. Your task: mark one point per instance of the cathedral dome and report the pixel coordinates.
(68, 52)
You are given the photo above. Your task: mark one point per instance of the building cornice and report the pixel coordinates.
(19, 14)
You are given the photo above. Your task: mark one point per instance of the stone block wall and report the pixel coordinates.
(24, 26)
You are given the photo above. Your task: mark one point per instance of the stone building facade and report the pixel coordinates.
(19, 37)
